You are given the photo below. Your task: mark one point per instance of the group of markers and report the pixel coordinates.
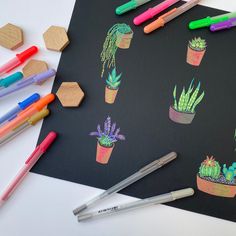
(25, 114)
(28, 112)
(225, 21)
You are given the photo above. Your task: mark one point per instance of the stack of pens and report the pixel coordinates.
(26, 114)
(216, 23)
(151, 12)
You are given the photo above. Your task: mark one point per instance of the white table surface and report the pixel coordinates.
(43, 205)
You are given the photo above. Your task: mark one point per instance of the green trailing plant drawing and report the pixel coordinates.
(113, 80)
(114, 34)
(189, 99)
(198, 44)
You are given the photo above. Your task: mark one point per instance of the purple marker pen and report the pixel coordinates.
(223, 25)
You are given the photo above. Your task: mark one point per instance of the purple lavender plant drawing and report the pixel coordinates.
(106, 140)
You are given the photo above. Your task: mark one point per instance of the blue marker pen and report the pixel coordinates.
(11, 79)
(20, 107)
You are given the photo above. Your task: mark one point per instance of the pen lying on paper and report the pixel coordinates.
(29, 163)
(131, 179)
(163, 198)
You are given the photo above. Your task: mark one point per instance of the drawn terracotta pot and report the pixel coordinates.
(110, 95)
(217, 189)
(103, 153)
(181, 117)
(123, 40)
(194, 57)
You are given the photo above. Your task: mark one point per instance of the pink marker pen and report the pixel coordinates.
(30, 162)
(151, 12)
(18, 60)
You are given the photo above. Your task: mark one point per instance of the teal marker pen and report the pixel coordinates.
(130, 6)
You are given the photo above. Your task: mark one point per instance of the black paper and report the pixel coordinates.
(151, 67)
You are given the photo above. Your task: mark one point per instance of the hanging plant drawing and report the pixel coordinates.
(196, 51)
(183, 110)
(118, 36)
(112, 86)
(106, 140)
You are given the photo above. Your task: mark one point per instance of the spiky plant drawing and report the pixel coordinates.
(183, 109)
(112, 85)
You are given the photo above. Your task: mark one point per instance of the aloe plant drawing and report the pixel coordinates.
(196, 51)
(183, 109)
(119, 35)
(112, 86)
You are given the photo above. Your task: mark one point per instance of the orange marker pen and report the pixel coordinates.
(26, 114)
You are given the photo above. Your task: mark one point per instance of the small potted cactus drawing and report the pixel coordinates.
(118, 36)
(106, 140)
(211, 180)
(196, 51)
(183, 111)
(112, 86)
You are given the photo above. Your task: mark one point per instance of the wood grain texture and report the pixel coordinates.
(11, 36)
(70, 94)
(56, 38)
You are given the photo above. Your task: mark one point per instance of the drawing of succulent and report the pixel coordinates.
(196, 51)
(211, 180)
(183, 110)
(118, 36)
(106, 140)
(112, 86)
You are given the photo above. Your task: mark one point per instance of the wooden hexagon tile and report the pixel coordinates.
(56, 38)
(70, 94)
(11, 36)
(34, 67)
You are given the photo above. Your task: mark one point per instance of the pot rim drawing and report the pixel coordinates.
(182, 111)
(106, 140)
(112, 86)
(195, 51)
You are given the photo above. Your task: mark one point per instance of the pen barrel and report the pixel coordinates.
(7, 67)
(129, 206)
(19, 119)
(9, 115)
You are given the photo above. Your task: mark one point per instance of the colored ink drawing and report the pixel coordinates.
(112, 86)
(211, 180)
(106, 140)
(183, 110)
(196, 51)
(118, 36)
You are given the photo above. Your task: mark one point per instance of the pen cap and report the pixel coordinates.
(38, 116)
(200, 23)
(27, 53)
(39, 105)
(39, 78)
(182, 193)
(126, 7)
(48, 141)
(28, 101)
(11, 79)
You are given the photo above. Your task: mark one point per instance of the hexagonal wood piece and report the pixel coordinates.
(56, 38)
(11, 36)
(70, 94)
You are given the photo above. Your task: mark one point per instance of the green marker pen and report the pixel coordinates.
(208, 21)
(130, 6)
